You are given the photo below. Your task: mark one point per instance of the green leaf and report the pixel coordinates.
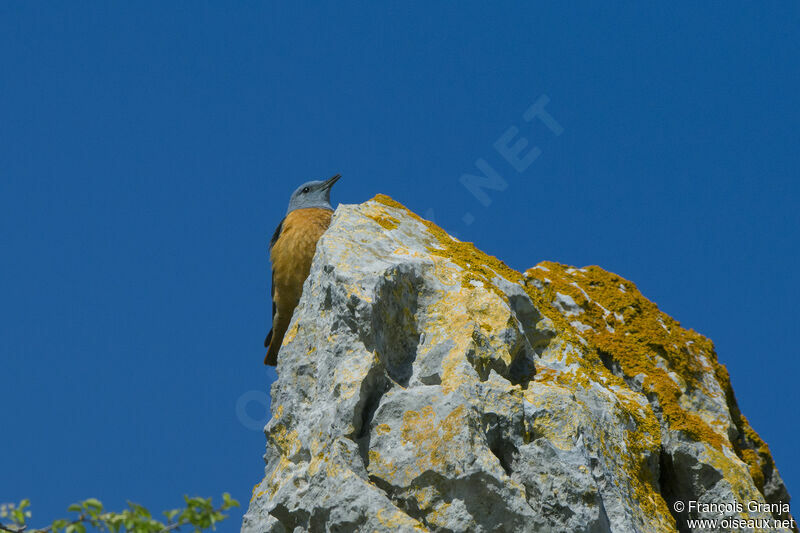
(18, 516)
(228, 502)
(199, 513)
(93, 503)
(139, 510)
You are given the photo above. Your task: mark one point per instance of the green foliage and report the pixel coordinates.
(199, 515)
(17, 514)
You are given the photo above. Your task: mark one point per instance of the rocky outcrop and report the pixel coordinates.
(424, 385)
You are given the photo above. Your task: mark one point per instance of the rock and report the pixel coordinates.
(424, 385)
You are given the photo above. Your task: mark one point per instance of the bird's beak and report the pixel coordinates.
(329, 182)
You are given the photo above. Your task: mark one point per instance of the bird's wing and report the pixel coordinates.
(276, 234)
(272, 241)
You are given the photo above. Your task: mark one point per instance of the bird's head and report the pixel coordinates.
(313, 194)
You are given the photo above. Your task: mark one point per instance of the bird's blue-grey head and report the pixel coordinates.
(313, 194)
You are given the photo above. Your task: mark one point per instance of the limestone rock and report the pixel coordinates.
(425, 386)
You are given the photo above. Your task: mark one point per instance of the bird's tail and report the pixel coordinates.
(271, 358)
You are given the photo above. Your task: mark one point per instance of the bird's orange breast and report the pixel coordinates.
(292, 253)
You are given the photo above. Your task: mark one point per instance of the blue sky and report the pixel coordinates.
(148, 150)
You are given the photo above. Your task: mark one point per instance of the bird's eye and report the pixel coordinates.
(305, 189)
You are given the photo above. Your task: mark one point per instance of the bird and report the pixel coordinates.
(291, 250)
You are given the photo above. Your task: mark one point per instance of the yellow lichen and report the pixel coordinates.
(478, 266)
(632, 332)
(398, 520)
(286, 441)
(386, 221)
(272, 481)
(435, 441)
(290, 335)
(380, 467)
